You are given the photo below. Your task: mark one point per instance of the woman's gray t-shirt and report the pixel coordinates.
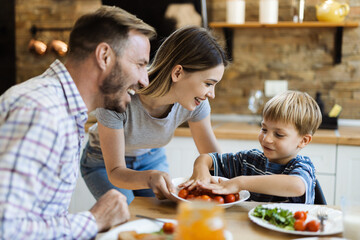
(142, 131)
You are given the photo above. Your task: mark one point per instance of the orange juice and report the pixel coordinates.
(200, 220)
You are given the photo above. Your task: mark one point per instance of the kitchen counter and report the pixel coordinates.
(242, 130)
(345, 135)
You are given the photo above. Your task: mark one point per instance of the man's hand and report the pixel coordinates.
(111, 209)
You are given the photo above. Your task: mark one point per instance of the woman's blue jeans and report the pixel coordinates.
(93, 171)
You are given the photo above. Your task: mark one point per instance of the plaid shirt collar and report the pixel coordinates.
(74, 100)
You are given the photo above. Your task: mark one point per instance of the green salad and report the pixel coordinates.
(279, 217)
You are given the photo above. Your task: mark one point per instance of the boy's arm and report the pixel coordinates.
(277, 185)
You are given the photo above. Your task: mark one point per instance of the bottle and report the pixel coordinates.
(319, 101)
(298, 9)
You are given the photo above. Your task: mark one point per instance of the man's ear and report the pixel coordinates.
(104, 55)
(306, 139)
(176, 73)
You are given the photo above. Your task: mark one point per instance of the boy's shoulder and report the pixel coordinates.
(252, 155)
(302, 162)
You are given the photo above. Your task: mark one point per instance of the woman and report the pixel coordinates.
(125, 150)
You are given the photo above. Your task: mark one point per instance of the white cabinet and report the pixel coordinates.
(348, 177)
(82, 199)
(323, 157)
(334, 166)
(182, 152)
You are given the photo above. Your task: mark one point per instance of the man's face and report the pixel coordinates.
(128, 74)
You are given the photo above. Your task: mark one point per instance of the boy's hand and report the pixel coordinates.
(200, 173)
(195, 179)
(223, 187)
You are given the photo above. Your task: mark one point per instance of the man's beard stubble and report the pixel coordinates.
(112, 88)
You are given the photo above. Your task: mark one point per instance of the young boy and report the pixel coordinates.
(278, 174)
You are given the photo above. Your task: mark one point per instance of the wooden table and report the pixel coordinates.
(236, 218)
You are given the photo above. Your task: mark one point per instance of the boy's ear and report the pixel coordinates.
(306, 139)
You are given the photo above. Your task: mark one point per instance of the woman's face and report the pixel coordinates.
(191, 88)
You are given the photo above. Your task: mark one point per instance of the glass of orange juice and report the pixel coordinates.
(200, 220)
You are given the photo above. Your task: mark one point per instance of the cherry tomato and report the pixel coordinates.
(237, 196)
(205, 198)
(190, 196)
(300, 225)
(229, 198)
(300, 215)
(197, 198)
(183, 193)
(169, 227)
(313, 226)
(219, 199)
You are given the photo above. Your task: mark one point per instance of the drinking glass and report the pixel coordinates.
(200, 220)
(351, 217)
(256, 101)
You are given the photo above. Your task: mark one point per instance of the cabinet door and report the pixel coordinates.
(323, 157)
(181, 153)
(81, 199)
(229, 145)
(327, 183)
(347, 174)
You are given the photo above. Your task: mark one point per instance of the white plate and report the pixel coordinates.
(243, 195)
(332, 226)
(142, 226)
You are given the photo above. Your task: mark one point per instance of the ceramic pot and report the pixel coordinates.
(332, 11)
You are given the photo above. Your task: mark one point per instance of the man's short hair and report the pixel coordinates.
(296, 108)
(107, 24)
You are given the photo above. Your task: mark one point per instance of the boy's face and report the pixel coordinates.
(281, 142)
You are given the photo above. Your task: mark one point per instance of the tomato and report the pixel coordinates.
(313, 226)
(229, 198)
(190, 196)
(299, 225)
(198, 198)
(219, 199)
(205, 198)
(169, 227)
(300, 215)
(237, 196)
(183, 193)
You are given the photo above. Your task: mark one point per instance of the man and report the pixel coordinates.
(42, 128)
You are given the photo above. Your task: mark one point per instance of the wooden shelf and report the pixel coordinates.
(309, 24)
(229, 33)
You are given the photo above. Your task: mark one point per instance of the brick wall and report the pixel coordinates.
(301, 56)
(46, 14)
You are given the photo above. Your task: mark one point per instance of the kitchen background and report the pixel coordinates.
(302, 56)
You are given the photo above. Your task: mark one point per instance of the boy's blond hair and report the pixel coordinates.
(294, 107)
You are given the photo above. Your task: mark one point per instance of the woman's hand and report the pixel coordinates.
(161, 184)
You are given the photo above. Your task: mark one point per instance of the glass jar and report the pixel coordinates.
(200, 220)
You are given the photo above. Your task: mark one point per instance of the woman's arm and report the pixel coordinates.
(112, 142)
(204, 136)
